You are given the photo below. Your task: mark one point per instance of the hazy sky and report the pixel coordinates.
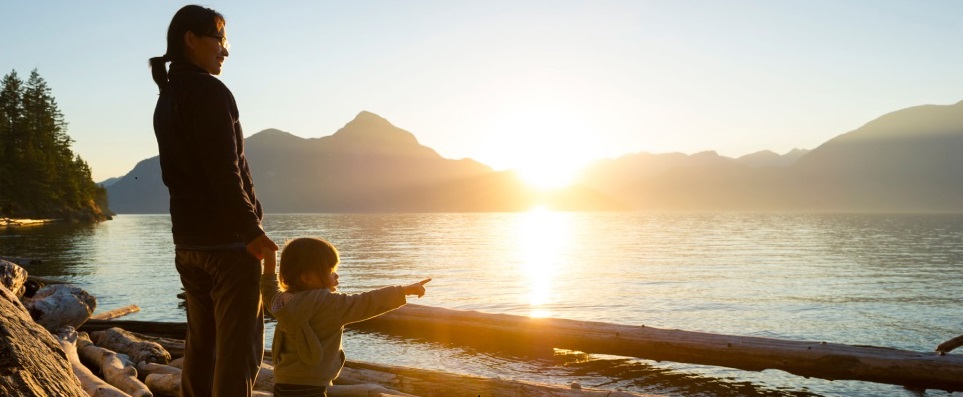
(512, 84)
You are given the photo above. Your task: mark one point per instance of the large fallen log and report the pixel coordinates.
(927, 370)
(92, 385)
(32, 362)
(117, 369)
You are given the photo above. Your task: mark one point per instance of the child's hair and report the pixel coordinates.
(305, 255)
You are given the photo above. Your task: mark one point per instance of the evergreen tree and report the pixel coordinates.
(11, 145)
(39, 175)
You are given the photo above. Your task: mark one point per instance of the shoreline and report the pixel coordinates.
(18, 222)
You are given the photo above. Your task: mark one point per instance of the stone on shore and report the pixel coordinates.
(60, 305)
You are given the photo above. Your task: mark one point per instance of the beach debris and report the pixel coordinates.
(117, 369)
(118, 312)
(145, 368)
(949, 345)
(137, 349)
(164, 384)
(60, 305)
(175, 347)
(91, 384)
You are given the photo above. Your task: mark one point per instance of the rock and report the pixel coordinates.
(13, 277)
(59, 305)
(32, 362)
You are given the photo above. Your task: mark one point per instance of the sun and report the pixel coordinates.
(546, 146)
(547, 174)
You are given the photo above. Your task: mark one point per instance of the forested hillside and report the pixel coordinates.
(40, 177)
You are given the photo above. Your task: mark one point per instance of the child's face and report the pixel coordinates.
(318, 281)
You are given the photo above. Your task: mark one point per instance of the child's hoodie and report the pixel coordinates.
(307, 339)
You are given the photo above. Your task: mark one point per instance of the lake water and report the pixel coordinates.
(884, 280)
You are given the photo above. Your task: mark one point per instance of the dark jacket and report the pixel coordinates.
(212, 200)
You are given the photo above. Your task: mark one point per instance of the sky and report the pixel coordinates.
(518, 84)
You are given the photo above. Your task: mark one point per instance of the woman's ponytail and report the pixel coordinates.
(158, 70)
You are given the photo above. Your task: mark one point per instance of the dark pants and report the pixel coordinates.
(225, 324)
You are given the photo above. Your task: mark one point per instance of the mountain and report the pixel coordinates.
(907, 160)
(109, 181)
(369, 165)
(768, 158)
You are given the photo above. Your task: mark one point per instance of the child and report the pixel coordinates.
(311, 316)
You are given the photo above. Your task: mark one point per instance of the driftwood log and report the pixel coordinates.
(145, 368)
(927, 370)
(138, 350)
(116, 369)
(173, 346)
(164, 384)
(949, 345)
(32, 362)
(12, 277)
(173, 330)
(60, 305)
(92, 385)
(118, 312)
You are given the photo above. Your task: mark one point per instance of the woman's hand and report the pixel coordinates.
(416, 288)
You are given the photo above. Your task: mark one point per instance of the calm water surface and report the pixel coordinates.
(884, 280)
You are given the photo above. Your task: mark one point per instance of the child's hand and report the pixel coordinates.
(270, 261)
(416, 288)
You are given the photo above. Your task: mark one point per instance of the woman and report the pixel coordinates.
(215, 214)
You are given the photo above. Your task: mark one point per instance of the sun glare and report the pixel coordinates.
(546, 145)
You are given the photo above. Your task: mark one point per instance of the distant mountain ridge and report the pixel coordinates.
(906, 160)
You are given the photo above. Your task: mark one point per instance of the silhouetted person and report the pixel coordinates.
(215, 214)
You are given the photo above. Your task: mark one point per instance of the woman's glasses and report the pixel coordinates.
(222, 40)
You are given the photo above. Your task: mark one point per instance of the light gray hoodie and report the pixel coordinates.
(307, 340)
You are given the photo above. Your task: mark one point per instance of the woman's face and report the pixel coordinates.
(207, 51)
